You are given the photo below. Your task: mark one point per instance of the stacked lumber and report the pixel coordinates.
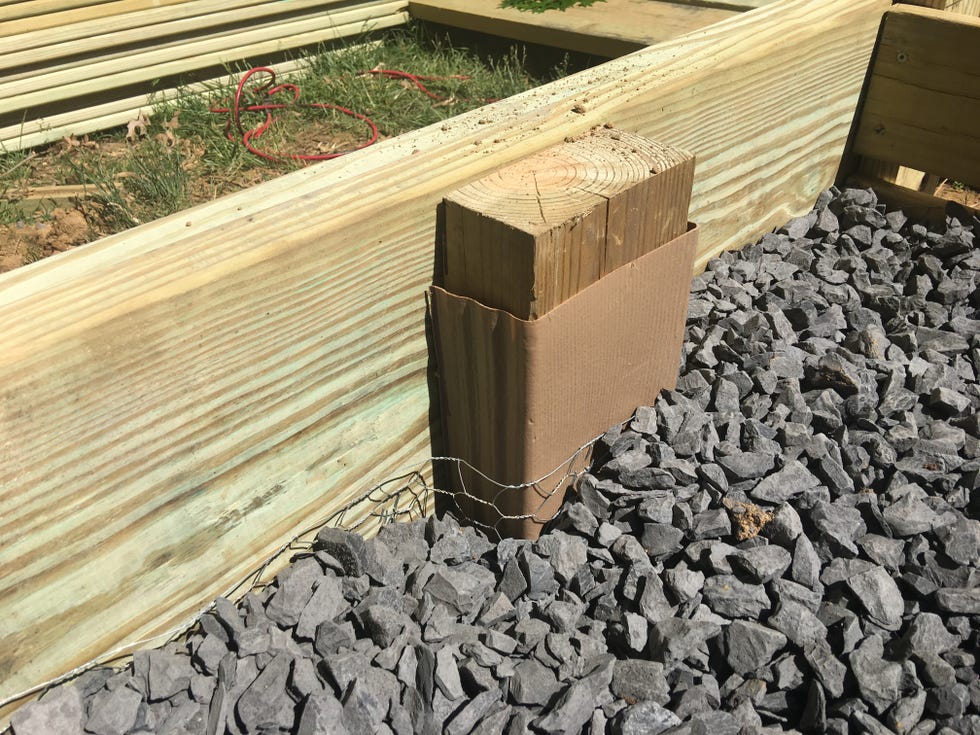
(74, 67)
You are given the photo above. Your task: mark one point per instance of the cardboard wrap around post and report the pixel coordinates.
(520, 397)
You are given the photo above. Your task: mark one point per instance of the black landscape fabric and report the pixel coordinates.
(786, 543)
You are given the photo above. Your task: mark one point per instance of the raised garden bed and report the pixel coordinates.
(181, 399)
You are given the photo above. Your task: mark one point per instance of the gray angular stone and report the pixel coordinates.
(927, 634)
(348, 548)
(961, 540)
(567, 554)
(640, 680)
(167, 673)
(761, 564)
(826, 666)
(879, 680)
(447, 673)
(877, 592)
(888, 552)
(784, 527)
(791, 481)
(750, 646)
(959, 600)
(326, 603)
(533, 684)
(728, 596)
(797, 623)
(644, 718)
(465, 588)
(906, 713)
(321, 714)
(909, 516)
(494, 723)
(660, 539)
(113, 712)
(805, 569)
(839, 526)
(368, 700)
(59, 712)
(935, 671)
(260, 704)
(746, 465)
(713, 523)
(294, 586)
(683, 582)
(950, 701)
(472, 712)
(675, 639)
(331, 637)
(539, 575)
(570, 711)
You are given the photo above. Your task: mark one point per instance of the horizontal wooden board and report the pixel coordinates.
(35, 15)
(613, 28)
(923, 101)
(178, 400)
(186, 19)
(112, 70)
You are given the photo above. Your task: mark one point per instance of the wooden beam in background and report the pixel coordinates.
(614, 28)
(20, 17)
(120, 68)
(178, 400)
(923, 99)
(186, 19)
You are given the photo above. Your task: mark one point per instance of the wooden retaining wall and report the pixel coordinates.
(178, 400)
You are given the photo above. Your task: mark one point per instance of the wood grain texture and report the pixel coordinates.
(33, 15)
(535, 233)
(615, 28)
(923, 99)
(48, 94)
(186, 20)
(167, 58)
(177, 400)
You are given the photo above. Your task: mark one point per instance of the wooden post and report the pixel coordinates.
(535, 233)
(566, 284)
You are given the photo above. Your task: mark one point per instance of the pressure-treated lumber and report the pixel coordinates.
(170, 58)
(615, 28)
(923, 99)
(177, 400)
(34, 8)
(533, 234)
(48, 94)
(191, 18)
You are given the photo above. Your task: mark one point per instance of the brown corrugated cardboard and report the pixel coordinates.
(520, 397)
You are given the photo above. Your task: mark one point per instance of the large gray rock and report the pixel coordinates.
(113, 712)
(59, 712)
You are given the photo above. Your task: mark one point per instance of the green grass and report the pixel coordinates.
(151, 177)
(539, 6)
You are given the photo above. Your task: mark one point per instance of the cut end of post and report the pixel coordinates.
(534, 233)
